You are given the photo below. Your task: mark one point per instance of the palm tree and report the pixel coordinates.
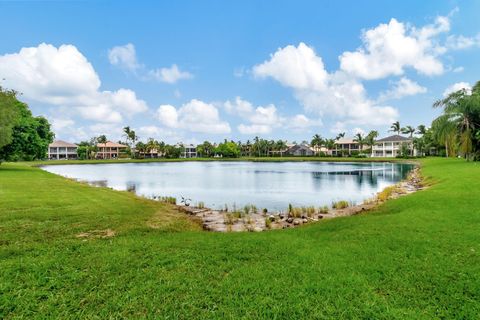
(248, 148)
(395, 127)
(445, 133)
(421, 129)
(370, 139)
(256, 145)
(340, 135)
(330, 143)
(408, 130)
(316, 143)
(102, 139)
(126, 131)
(281, 146)
(462, 109)
(360, 139)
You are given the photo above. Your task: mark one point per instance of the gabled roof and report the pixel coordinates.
(394, 138)
(110, 144)
(62, 144)
(345, 141)
(299, 146)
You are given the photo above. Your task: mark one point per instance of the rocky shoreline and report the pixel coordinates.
(254, 221)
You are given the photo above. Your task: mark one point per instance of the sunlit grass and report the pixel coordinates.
(414, 257)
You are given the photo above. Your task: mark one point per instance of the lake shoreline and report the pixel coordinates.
(224, 221)
(246, 159)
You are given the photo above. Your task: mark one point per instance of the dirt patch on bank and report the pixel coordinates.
(96, 234)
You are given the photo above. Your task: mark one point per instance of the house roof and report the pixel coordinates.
(111, 145)
(345, 141)
(394, 138)
(62, 144)
(299, 146)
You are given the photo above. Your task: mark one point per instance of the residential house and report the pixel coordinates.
(345, 147)
(282, 152)
(110, 150)
(61, 150)
(301, 150)
(392, 146)
(150, 154)
(189, 151)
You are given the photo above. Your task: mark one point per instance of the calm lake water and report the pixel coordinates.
(271, 185)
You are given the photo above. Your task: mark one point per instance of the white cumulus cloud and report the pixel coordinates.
(260, 120)
(389, 49)
(296, 67)
(321, 93)
(457, 86)
(402, 88)
(170, 75)
(195, 116)
(300, 123)
(65, 78)
(125, 57)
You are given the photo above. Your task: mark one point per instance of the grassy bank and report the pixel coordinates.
(414, 257)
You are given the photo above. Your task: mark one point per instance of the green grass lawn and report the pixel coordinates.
(415, 257)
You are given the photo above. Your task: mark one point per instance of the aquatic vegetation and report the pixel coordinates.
(323, 209)
(229, 219)
(386, 193)
(342, 204)
(268, 223)
(170, 200)
(310, 211)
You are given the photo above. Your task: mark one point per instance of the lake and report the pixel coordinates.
(271, 185)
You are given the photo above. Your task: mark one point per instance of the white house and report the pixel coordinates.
(189, 151)
(61, 150)
(392, 146)
(345, 146)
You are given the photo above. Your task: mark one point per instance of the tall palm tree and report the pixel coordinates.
(408, 130)
(370, 139)
(340, 135)
(316, 143)
(330, 143)
(281, 146)
(126, 131)
(256, 145)
(445, 133)
(360, 139)
(463, 110)
(395, 127)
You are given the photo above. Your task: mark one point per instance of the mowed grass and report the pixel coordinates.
(415, 257)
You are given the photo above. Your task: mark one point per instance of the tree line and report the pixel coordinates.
(456, 132)
(23, 137)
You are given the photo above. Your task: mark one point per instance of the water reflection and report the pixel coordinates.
(266, 185)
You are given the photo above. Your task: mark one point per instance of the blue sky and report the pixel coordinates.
(195, 70)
